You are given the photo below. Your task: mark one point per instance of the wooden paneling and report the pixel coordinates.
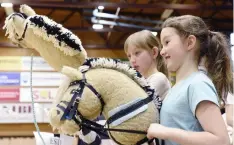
(22, 129)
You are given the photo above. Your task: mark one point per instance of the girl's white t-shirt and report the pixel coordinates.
(160, 83)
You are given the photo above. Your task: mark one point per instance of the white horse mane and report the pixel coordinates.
(92, 63)
(10, 29)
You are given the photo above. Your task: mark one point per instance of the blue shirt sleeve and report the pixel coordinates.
(201, 91)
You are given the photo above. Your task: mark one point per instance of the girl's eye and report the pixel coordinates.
(137, 53)
(167, 42)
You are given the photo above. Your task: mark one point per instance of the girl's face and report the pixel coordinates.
(141, 59)
(174, 50)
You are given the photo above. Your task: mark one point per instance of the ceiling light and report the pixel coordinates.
(100, 7)
(97, 26)
(6, 5)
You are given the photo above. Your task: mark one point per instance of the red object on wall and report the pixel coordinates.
(9, 94)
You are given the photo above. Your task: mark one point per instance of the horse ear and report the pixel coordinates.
(27, 10)
(72, 73)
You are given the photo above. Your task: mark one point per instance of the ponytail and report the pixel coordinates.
(219, 64)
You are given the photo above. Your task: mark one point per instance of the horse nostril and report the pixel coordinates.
(58, 112)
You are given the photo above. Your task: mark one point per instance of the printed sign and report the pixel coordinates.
(51, 139)
(10, 63)
(41, 79)
(38, 64)
(39, 94)
(9, 94)
(18, 63)
(9, 79)
(20, 113)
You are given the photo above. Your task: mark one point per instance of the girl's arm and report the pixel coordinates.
(209, 116)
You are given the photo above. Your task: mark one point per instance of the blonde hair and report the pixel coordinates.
(213, 45)
(146, 40)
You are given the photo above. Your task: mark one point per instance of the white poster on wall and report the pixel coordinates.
(20, 112)
(41, 78)
(39, 94)
(52, 139)
(38, 64)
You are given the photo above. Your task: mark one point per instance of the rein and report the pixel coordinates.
(100, 129)
(95, 126)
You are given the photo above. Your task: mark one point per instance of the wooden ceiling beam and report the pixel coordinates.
(51, 4)
(68, 17)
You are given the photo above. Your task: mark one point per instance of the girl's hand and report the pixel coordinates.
(157, 131)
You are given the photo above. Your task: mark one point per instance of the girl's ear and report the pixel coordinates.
(155, 52)
(191, 42)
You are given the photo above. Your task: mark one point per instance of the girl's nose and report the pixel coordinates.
(162, 52)
(132, 60)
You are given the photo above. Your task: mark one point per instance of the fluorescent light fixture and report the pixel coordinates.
(6, 5)
(154, 33)
(97, 26)
(232, 38)
(100, 7)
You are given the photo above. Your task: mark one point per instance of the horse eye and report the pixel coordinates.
(73, 91)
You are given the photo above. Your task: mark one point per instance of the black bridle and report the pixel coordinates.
(72, 106)
(23, 35)
(24, 16)
(71, 112)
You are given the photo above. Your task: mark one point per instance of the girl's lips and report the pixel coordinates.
(167, 57)
(136, 67)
